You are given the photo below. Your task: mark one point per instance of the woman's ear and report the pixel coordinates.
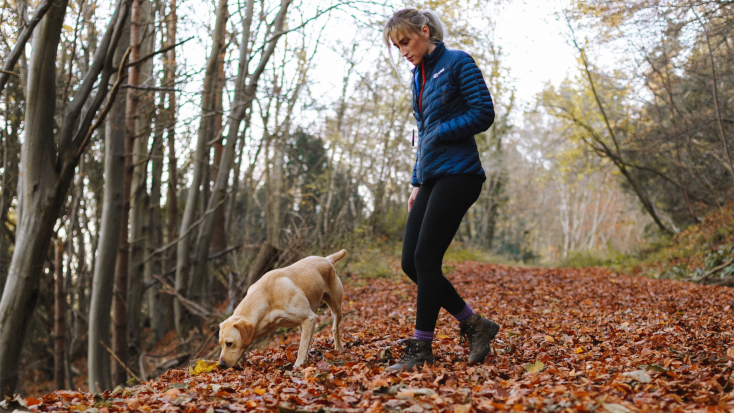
(246, 330)
(426, 32)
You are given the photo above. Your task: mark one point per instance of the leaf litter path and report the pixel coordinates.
(570, 340)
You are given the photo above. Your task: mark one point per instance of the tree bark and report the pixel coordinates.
(156, 311)
(264, 262)
(171, 194)
(139, 201)
(35, 225)
(59, 318)
(120, 297)
(200, 163)
(99, 368)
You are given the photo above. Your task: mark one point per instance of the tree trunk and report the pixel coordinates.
(139, 230)
(156, 312)
(35, 225)
(59, 316)
(264, 262)
(171, 194)
(244, 95)
(120, 298)
(192, 200)
(219, 239)
(99, 369)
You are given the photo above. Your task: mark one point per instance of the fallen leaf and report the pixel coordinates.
(259, 391)
(375, 407)
(30, 401)
(172, 393)
(550, 339)
(536, 367)
(615, 408)
(656, 367)
(639, 375)
(579, 350)
(730, 352)
(405, 394)
(462, 408)
(203, 366)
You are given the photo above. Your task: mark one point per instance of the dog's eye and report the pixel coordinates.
(229, 344)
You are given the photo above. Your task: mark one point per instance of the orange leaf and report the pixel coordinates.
(259, 391)
(32, 402)
(328, 355)
(730, 352)
(579, 350)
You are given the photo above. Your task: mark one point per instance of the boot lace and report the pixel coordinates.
(410, 351)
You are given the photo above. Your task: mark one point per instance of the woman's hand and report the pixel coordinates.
(412, 197)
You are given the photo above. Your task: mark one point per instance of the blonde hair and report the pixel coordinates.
(410, 21)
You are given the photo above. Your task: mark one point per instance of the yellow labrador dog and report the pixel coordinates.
(286, 297)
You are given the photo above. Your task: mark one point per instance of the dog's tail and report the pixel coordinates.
(336, 257)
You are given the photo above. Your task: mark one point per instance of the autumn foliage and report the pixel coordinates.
(570, 340)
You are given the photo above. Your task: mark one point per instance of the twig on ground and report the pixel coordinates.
(119, 361)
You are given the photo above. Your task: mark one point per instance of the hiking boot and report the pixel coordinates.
(417, 352)
(478, 331)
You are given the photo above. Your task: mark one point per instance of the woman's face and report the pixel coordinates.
(414, 46)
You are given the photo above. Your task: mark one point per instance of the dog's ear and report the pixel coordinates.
(246, 330)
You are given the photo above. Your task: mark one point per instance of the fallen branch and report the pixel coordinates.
(230, 249)
(185, 234)
(193, 307)
(713, 271)
(202, 346)
(119, 361)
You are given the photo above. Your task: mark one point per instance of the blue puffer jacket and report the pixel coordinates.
(456, 105)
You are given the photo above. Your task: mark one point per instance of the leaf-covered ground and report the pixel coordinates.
(571, 340)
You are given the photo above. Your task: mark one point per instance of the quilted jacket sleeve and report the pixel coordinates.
(480, 113)
(414, 179)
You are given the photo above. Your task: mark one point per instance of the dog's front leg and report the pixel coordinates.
(307, 330)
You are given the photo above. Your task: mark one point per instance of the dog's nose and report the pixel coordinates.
(222, 364)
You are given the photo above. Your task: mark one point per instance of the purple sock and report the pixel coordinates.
(464, 314)
(423, 335)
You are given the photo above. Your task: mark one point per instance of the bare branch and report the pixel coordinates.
(19, 47)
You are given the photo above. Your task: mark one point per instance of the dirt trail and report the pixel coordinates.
(570, 340)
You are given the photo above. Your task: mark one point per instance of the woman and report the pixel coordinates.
(451, 103)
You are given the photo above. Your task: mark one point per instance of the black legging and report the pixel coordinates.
(432, 223)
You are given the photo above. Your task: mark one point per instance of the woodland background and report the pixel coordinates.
(159, 156)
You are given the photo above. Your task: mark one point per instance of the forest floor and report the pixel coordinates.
(570, 340)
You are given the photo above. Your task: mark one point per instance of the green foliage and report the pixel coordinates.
(459, 253)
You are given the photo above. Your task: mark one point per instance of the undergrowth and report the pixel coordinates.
(705, 249)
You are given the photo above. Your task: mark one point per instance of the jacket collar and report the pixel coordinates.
(429, 60)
